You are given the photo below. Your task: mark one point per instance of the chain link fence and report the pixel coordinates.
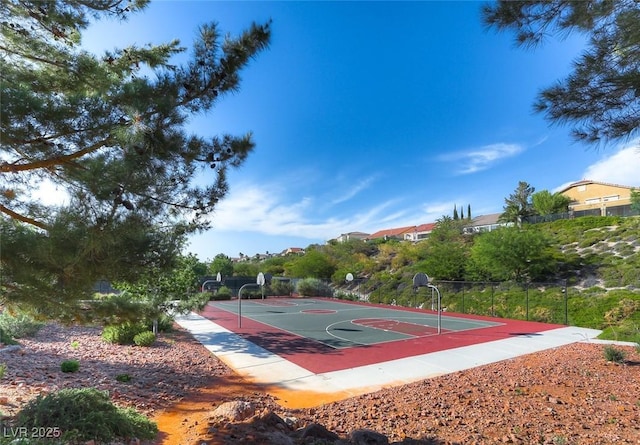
(543, 302)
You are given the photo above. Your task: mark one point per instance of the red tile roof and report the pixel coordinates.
(391, 232)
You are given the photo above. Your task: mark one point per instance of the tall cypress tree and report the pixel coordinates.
(113, 140)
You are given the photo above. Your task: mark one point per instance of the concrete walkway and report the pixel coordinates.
(264, 367)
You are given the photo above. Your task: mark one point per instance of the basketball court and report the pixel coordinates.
(334, 346)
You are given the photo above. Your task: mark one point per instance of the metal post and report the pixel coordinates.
(527, 299)
(439, 308)
(463, 299)
(493, 309)
(240, 302)
(566, 304)
(208, 281)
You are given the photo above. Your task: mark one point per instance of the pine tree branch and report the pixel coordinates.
(23, 218)
(51, 162)
(34, 58)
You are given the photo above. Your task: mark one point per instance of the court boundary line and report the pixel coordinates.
(355, 344)
(279, 372)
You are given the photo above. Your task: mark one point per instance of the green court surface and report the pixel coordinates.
(339, 324)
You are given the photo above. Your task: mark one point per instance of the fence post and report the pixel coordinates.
(526, 296)
(463, 299)
(566, 303)
(493, 310)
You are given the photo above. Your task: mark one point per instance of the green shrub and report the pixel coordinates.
(85, 414)
(6, 339)
(198, 301)
(281, 287)
(146, 338)
(123, 334)
(165, 323)
(18, 325)
(70, 365)
(341, 295)
(614, 354)
(3, 369)
(224, 293)
(312, 287)
(124, 378)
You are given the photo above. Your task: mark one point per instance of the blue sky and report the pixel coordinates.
(373, 115)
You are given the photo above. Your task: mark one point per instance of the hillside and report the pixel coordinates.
(584, 271)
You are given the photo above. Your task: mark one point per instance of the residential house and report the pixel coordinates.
(419, 232)
(386, 234)
(343, 238)
(293, 250)
(485, 223)
(598, 198)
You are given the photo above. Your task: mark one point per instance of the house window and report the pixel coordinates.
(611, 198)
(592, 201)
(582, 188)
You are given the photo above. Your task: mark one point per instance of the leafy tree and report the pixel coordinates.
(246, 269)
(511, 253)
(518, 205)
(446, 251)
(313, 264)
(221, 264)
(600, 97)
(108, 131)
(154, 293)
(274, 265)
(547, 203)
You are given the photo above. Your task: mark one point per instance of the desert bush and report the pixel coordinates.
(18, 325)
(346, 296)
(312, 287)
(123, 334)
(124, 378)
(165, 323)
(146, 338)
(86, 414)
(6, 339)
(281, 287)
(70, 366)
(614, 354)
(224, 293)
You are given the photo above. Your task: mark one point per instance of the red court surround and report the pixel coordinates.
(319, 358)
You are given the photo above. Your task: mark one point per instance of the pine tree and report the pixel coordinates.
(518, 205)
(455, 213)
(469, 212)
(600, 97)
(109, 131)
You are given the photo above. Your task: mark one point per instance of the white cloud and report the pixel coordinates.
(482, 158)
(263, 209)
(361, 185)
(623, 167)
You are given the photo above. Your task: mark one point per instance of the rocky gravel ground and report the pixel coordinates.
(161, 374)
(568, 395)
